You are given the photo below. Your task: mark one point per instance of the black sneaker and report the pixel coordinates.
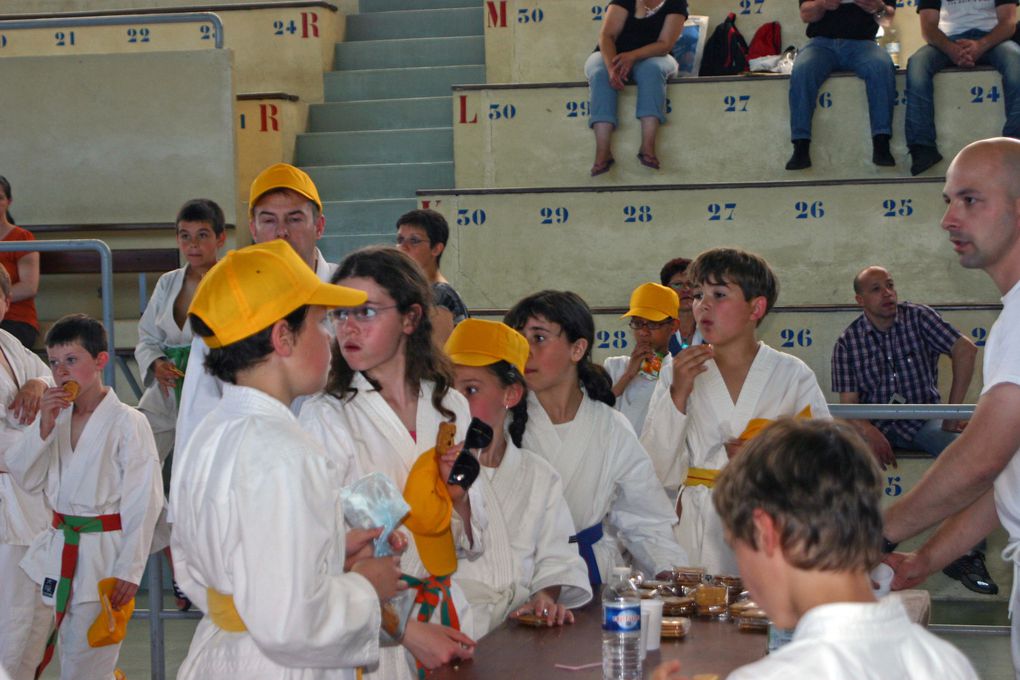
(970, 570)
(801, 158)
(880, 154)
(923, 157)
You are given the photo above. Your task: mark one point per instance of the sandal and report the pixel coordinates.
(183, 603)
(648, 160)
(603, 167)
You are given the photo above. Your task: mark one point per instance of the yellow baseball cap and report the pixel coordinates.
(653, 302)
(282, 176)
(252, 288)
(475, 342)
(429, 520)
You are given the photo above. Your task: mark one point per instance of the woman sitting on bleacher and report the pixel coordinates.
(21, 319)
(634, 45)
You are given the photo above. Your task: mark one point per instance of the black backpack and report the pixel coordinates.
(726, 50)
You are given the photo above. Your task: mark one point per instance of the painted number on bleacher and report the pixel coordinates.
(980, 96)
(669, 106)
(734, 103)
(901, 208)
(466, 216)
(502, 111)
(637, 213)
(893, 488)
(751, 6)
(64, 39)
(206, 32)
(614, 340)
(529, 16)
(282, 28)
(980, 335)
(906, 3)
(577, 109)
(138, 35)
(798, 338)
(597, 11)
(721, 212)
(825, 100)
(3, 41)
(809, 211)
(554, 215)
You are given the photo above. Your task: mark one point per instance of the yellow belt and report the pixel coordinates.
(701, 477)
(223, 612)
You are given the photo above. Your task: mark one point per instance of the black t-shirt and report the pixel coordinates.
(636, 32)
(445, 296)
(847, 22)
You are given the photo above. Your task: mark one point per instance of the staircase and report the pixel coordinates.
(384, 130)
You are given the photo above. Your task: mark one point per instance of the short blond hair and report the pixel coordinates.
(821, 486)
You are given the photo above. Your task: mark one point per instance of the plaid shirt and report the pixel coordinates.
(901, 361)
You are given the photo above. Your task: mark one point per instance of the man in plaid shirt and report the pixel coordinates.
(890, 355)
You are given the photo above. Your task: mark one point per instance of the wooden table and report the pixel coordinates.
(516, 651)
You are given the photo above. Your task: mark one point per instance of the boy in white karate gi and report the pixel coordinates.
(801, 509)
(653, 318)
(95, 460)
(259, 537)
(708, 395)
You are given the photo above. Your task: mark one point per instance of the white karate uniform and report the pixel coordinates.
(526, 545)
(777, 385)
(258, 517)
(1002, 365)
(201, 390)
(608, 479)
(157, 329)
(633, 403)
(858, 641)
(383, 444)
(24, 619)
(113, 469)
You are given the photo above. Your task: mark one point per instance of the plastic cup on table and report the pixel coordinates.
(882, 575)
(652, 639)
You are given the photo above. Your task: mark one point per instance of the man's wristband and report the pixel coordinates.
(888, 546)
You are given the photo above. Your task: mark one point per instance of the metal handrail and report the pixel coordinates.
(131, 20)
(105, 272)
(902, 411)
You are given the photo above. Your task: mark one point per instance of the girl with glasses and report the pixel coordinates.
(389, 388)
(609, 484)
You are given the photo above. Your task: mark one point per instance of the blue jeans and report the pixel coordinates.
(649, 74)
(822, 56)
(928, 60)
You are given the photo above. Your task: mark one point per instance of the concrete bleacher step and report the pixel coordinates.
(375, 146)
(379, 180)
(352, 224)
(415, 23)
(817, 235)
(394, 5)
(410, 52)
(380, 114)
(343, 86)
(729, 129)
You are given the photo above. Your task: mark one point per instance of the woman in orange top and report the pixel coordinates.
(21, 319)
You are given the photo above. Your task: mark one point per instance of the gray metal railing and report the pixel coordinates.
(129, 20)
(902, 411)
(106, 289)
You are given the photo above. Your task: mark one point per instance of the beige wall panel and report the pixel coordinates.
(266, 133)
(118, 138)
(602, 244)
(718, 131)
(528, 41)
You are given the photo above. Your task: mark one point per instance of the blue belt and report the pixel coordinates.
(585, 540)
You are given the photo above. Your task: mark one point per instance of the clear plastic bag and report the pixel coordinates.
(374, 501)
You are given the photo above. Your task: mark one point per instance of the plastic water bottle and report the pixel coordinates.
(621, 628)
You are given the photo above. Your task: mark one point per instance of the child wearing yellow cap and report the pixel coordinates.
(709, 393)
(259, 540)
(528, 566)
(615, 500)
(388, 391)
(653, 319)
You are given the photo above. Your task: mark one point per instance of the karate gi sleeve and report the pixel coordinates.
(664, 431)
(141, 496)
(297, 608)
(29, 458)
(810, 394)
(150, 337)
(199, 394)
(11, 431)
(557, 562)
